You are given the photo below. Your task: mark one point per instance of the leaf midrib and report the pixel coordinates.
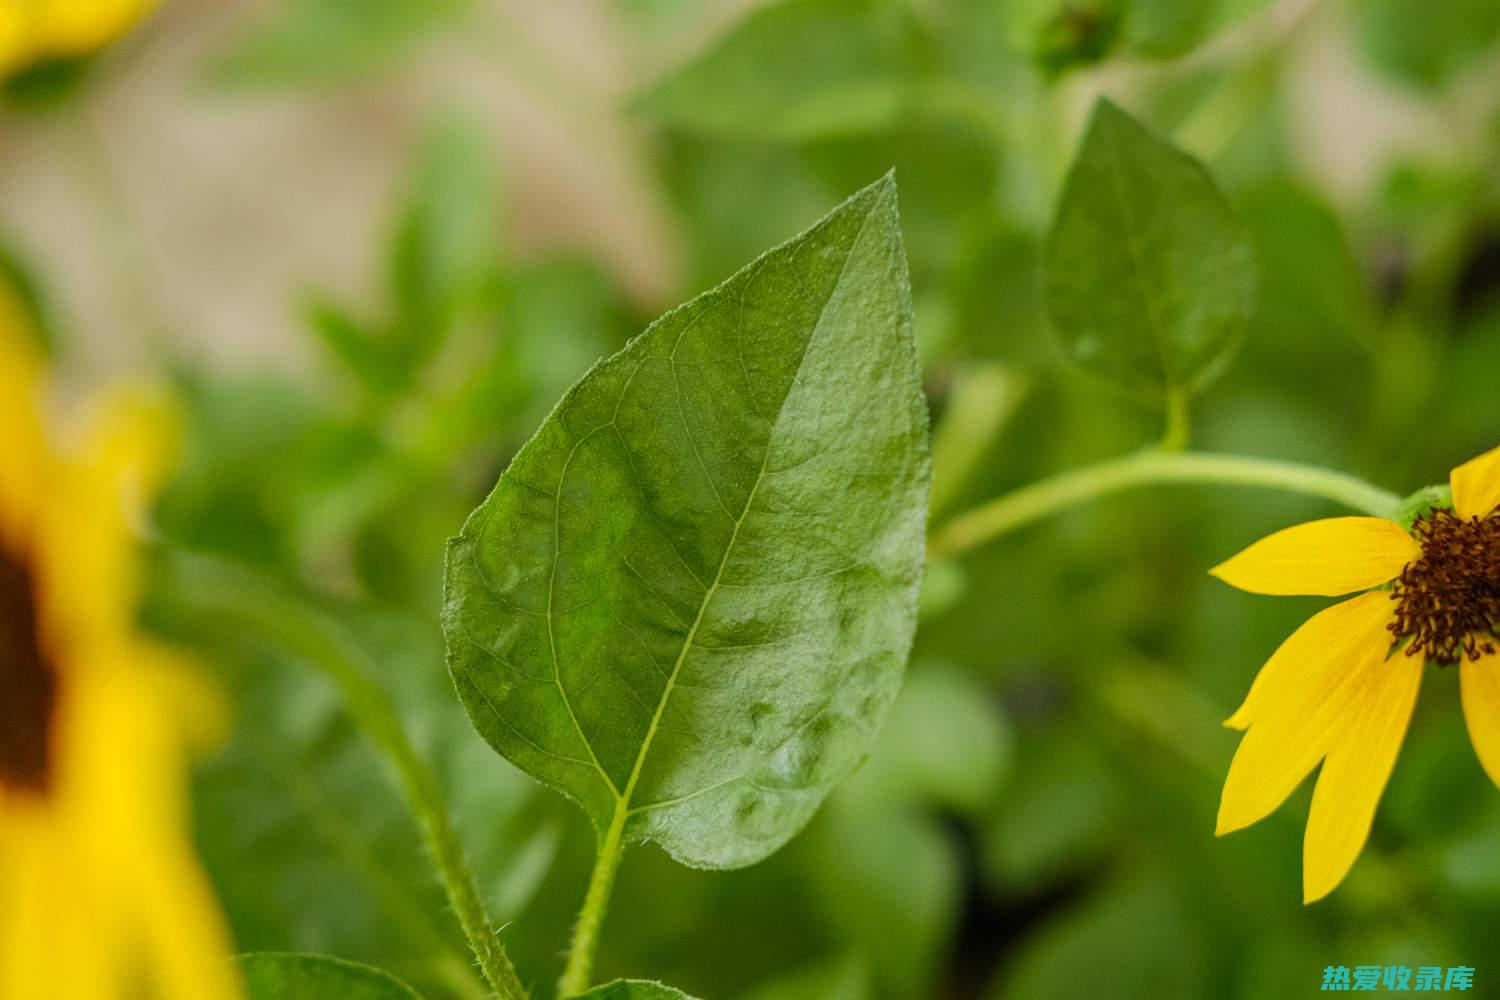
(623, 797)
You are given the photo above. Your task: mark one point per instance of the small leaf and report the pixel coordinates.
(689, 601)
(1147, 275)
(796, 70)
(278, 976)
(633, 989)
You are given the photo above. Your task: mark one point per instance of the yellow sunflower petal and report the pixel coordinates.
(1355, 774)
(127, 442)
(1476, 485)
(1328, 558)
(1344, 633)
(1480, 682)
(14, 35)
(22, 441)
(1299, 706)
(80, 26)
(187, 940)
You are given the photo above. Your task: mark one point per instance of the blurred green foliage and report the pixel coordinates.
(1036, 819)
(318, 42)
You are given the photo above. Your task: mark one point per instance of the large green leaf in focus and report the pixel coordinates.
(689, 600)
(1148, 276)
(633, 989)
(276, 976)
(801, 69)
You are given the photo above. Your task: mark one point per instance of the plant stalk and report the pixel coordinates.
(237, 594)
(580, 967)
(1049, 496)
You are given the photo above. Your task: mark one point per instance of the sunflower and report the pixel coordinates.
(101, 896)
(1342, 689)
(33, 31)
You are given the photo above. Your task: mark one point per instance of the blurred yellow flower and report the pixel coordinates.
(101, 896)
(35, 30)
(1342, 689)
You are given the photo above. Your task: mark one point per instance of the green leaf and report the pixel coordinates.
(1132, 942)
(446, 243)
(1061, 34)
(689, 600)
(304, 764)
(359, 349)
(947, 742)
(279, 976)
(797, 70)
(1148, 276)
(844, 978)
(888, 883)
(21, 290)
(322, 41)
(442, 263)
(633, 989)
(48, 84)
(1427, 44)
(1165, 29)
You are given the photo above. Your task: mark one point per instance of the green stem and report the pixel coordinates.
(580, 967)
(235, 594)
(1179, 421)
(1039, 500)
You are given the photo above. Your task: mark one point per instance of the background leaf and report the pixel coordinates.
(276, 976)
(837, 979)
(797, 70)
(1148, 277)
(1427, 44)
(1128, 944)
(323, 41)
(665, 609)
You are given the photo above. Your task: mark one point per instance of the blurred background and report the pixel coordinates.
(370, 244)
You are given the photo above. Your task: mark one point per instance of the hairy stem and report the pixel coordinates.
(1049, 496)
(580, 967)
(235, 594)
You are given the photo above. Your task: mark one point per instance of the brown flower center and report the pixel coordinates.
(28, 683)
(1448, 599)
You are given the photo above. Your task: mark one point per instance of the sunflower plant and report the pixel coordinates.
(843, 632)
